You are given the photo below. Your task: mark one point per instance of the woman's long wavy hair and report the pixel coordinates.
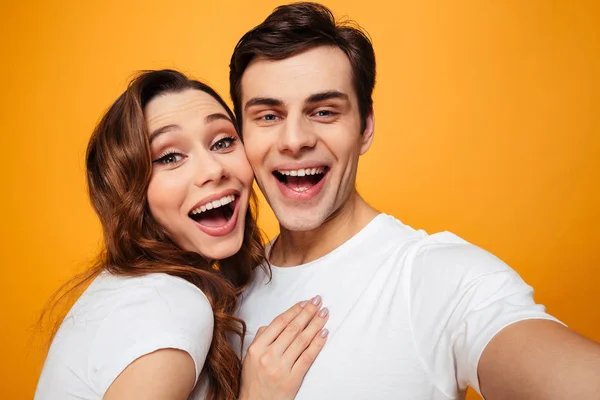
(119, 168)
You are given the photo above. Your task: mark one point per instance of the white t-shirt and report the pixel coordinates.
(116, 321)
(410, 313)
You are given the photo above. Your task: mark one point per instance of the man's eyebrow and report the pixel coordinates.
(216, 117)
(328, 95)
(163, 129)
(315, 98)
(263, 101)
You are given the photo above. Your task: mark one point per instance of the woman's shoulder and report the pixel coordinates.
(156, 299)
(148, 313)
(151, 309)
(159, 286)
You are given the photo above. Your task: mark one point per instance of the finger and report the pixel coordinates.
(271, 332)
(308, 356)
(305, 338)
(259, 331)
(296, 326)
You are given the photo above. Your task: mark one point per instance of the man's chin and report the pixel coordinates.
(299, 222)
(301, 216)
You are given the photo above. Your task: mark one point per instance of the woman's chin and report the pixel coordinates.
(224, 248)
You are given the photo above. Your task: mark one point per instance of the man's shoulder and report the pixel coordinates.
(451, 248)
(386, 230)
(447, 258)
(430, 253)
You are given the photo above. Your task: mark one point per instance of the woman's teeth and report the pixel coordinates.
(213, 204)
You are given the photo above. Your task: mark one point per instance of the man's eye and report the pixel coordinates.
(269, 117)
(324, 113)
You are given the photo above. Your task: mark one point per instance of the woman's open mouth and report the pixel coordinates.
(218, 217)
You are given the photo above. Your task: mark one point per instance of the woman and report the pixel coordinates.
(169, 180)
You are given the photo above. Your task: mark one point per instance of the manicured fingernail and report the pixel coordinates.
(302, 304)
(316, 300)
(323, 313)
(324, 333)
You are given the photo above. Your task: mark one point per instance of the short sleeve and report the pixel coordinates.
(161, 312)
(460, 297)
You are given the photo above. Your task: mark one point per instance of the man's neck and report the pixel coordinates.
(294, 248)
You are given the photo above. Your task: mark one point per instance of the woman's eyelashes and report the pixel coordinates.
(223, 143)
(169, 158)
(172, 158)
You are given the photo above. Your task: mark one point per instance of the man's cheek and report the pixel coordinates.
(254, 156)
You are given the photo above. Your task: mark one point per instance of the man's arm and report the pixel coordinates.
(540, 359)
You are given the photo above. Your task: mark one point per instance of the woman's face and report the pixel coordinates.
(201, 179)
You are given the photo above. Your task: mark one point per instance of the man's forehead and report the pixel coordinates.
(317, 70)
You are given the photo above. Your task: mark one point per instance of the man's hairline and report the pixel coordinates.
(256, 58)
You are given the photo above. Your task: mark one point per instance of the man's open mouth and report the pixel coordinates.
(301, 180)
(215, 213)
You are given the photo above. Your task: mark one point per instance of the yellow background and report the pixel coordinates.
(487, 125)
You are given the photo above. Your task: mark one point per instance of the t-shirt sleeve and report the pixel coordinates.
(460, 297)
(164, 312)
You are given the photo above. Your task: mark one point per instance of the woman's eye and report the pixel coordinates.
(169, 159)
(223, 144)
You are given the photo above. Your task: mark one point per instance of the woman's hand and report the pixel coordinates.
(282, 352)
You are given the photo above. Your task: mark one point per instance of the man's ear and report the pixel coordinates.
(368, 133)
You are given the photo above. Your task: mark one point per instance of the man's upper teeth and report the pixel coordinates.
(302, 171)
(214, 204)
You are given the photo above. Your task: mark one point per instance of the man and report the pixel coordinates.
(413, 316)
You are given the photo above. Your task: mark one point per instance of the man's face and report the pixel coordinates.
(301, 129)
